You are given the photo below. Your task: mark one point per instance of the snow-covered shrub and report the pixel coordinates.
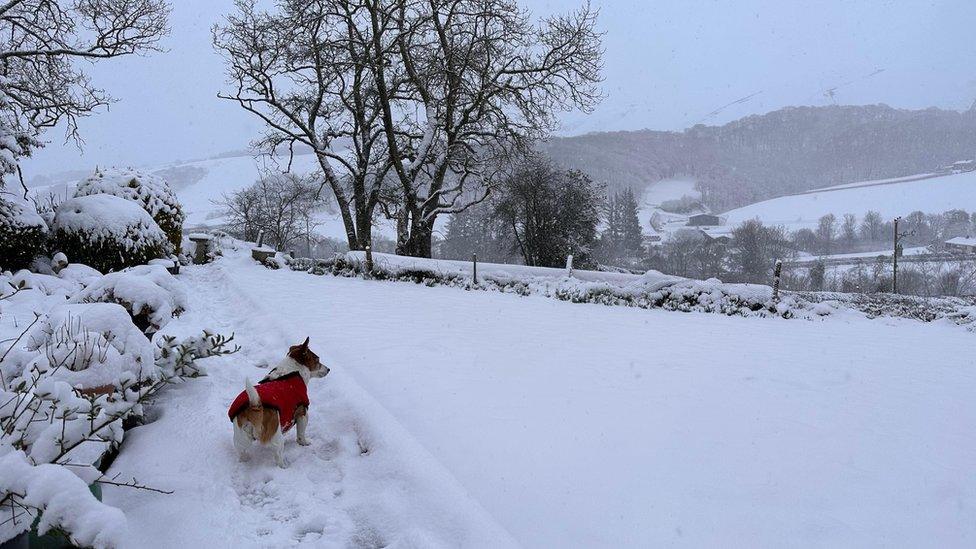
(22, 234)
(80, 273)
(91, 345)
(151, 192)
(55, 411)
(66, 502)
(149, 293)
(107, 232)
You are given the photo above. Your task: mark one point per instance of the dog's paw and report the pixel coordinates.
(304, 441)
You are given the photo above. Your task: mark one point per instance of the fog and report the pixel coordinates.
(668, 65)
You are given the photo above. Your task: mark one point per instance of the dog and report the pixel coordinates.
(266, 411)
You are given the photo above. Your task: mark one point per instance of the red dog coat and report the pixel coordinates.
(284, 394)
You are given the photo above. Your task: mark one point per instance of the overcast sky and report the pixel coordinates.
(669, 64)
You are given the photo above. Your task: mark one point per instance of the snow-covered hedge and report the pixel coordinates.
(107, 233)
(151, 192)
(149, 293)
(22, 234)
(649, 291)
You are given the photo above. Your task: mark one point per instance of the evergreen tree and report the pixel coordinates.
(632, 239)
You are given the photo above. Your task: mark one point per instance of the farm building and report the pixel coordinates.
(961, 244)
(704, 220)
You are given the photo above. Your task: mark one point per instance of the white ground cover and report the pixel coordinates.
(800, 211)
(458, 418)
(364, 481)
(570, 424)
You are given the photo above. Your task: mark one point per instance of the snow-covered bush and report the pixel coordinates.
(80, 273)
(149, 293)
(91, 345)
(66, 387)
(151, 192)
(22, 234)
(107, 232)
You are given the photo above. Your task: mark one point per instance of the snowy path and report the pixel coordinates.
(585, 425)
(362, 483)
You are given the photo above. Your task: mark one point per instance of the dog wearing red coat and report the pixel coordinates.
(266, 411)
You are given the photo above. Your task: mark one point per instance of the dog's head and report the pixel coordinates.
(303, 355)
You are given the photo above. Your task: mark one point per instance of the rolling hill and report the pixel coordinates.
(891, 198)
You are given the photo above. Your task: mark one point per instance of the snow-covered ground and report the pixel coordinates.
(892, 198)
(569, 424)
(661, 191)
(363, 482)
(915, 250)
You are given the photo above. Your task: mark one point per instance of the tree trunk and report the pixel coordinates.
(419, 243)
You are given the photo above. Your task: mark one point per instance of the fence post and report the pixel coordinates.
(569, 265)
(369, 260)
(474, 268)
(260, 238)
(777, 270)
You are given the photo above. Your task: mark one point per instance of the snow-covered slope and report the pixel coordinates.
(584, 425)
(888, 197)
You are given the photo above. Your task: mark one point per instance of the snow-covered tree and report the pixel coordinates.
(41, 82)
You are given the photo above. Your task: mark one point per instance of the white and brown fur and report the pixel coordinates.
(259, 423)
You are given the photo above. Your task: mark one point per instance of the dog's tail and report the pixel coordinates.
(252, 394)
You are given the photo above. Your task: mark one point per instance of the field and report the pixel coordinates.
(890, 198)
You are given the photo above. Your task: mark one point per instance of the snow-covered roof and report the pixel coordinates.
(962, 241)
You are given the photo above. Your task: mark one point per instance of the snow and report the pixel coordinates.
(148, 289)
(107, 216)
(102, 344)
(962, 241)
(364, 481)
(915, 250)
(892, 199)
(668, 189)
(18, 213)
(80, 273)
(65, 499)
(151, 191)
(497, 271)
(568, 424)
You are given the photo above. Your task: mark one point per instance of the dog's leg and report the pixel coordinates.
(242, 441)
(278, 447)
(301, 423)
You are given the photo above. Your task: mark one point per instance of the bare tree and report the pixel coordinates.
(281, 205)
(464, 84)
(304, 69)
(40, 44)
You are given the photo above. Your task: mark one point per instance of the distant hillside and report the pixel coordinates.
(778, 153)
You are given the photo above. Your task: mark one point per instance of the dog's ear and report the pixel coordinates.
(306, 343)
